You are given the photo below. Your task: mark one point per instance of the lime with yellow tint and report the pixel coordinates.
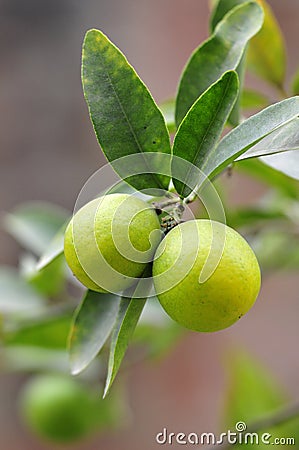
(206, 275)
(109, 242)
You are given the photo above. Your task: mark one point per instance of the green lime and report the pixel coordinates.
(57, 408)
(206, 275)
(109, 242)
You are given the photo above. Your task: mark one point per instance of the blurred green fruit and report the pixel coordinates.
(109, 242)
(206, 275)
(57, 408)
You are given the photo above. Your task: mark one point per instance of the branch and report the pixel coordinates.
(277, 418)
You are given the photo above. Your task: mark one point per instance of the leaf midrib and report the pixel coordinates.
(153, 175)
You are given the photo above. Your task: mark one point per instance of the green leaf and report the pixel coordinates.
(224, 7)
(50, 332)
(54, 249)
(34, 224)
(221, 9)
(124, 115)
(295, 83)
(130, 309)
(235, 115)
(249, 133)
(168, 109)
(271, 177)
(92, 324)
(220, 53)
(202, 127)
(266, 54)
(17, 298)
(253, 100)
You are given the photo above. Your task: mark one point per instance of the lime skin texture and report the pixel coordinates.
(231, 280)
(57, 408)
(109, 242)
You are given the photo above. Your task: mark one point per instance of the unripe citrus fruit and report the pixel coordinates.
(109, 241)
(206, 275)
(57, 408)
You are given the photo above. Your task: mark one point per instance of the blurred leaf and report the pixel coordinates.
(276, 249)
(282, 139)
(17, 297)
(22, 358)
(252, 216)
(266, 55)
(54, 248)
(295, 83)
(130, 309)
(51, 332)
(253, 100)
(157, 340)
(156, 332)
(271, 177)
(220, 53)
(50, 280)
(287, 163)
(34, 224)
(168, 108)
(251, 392)
(92, 324)
(202, 127)
(252, 395)
(249, 133)
(125, 117)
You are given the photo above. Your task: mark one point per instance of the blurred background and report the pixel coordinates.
(48, 150)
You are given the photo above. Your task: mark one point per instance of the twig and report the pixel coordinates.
(277, 418)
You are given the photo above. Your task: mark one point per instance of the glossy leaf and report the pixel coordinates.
(249, 133)
(220, 53)
(17, 297)
(34, 224)
(266, 54)
(221, 9)
(92, 324)
(54, 248)
(271, 177)
(130, 309)
(224, 7)
(124, 115)
(201, 128)
(253, 100)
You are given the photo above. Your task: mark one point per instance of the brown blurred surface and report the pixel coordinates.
(48, 150)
